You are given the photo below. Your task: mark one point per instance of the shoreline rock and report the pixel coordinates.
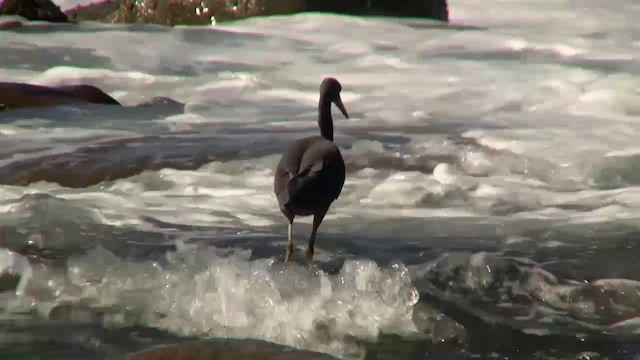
(34, 10)
(205, 12)
(92, 12)
(430, 9)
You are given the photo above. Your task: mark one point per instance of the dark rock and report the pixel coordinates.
(162, 101)
(22, 95)
(43, 10)
(88, 93)
(224, 350)
(433, 9)
(203, 12)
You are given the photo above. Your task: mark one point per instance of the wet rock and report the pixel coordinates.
(88, 93)
(432, 9)
(23, 95)
(43, 10)
(181, 12)
(90, 165)
(162, 101)
(92, 12)
(159, 12)
(225, 349)
(588, 355)
(10, 22)
(203, 12)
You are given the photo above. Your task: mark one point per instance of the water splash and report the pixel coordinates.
(210, 292)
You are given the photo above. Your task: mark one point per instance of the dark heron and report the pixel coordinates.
(311, 173)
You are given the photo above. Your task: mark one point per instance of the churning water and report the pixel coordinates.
(492, 202)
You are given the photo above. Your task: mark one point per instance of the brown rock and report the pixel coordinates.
(196, 12)
(225, 350)
(43, 10)
(203, 12)
(92, 12)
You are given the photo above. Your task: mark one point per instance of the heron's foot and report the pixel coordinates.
(288, 253)
(314, 270)
(309, 254)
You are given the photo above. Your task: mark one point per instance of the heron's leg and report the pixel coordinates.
(317, 220)
(287, 255)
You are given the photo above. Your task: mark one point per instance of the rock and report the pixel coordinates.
(88, 93)
(92, 12)
(162, 101)
(225, 349)
(162, 12)
(203, 12)
(11, 22)
(43, 10)
(22, 95)
(433, 9)
(179, 12)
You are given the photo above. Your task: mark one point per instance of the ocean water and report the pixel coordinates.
(491, 209)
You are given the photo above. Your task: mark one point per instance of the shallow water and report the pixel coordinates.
(491, 206)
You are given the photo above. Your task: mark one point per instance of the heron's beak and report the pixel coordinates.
(340, 106)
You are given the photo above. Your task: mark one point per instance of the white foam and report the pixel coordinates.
(211, 292)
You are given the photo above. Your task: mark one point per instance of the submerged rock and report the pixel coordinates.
(225, 349)
(43, 10)
(203, 12)
(23, 95)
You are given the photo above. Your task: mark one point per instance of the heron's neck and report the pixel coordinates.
(325, 121)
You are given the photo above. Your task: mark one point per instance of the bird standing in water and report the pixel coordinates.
(311, 173)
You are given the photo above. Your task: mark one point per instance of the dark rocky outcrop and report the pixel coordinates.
(432, 9)
(182, 12)
(22, 95)
(43, 10)
(202, 12)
